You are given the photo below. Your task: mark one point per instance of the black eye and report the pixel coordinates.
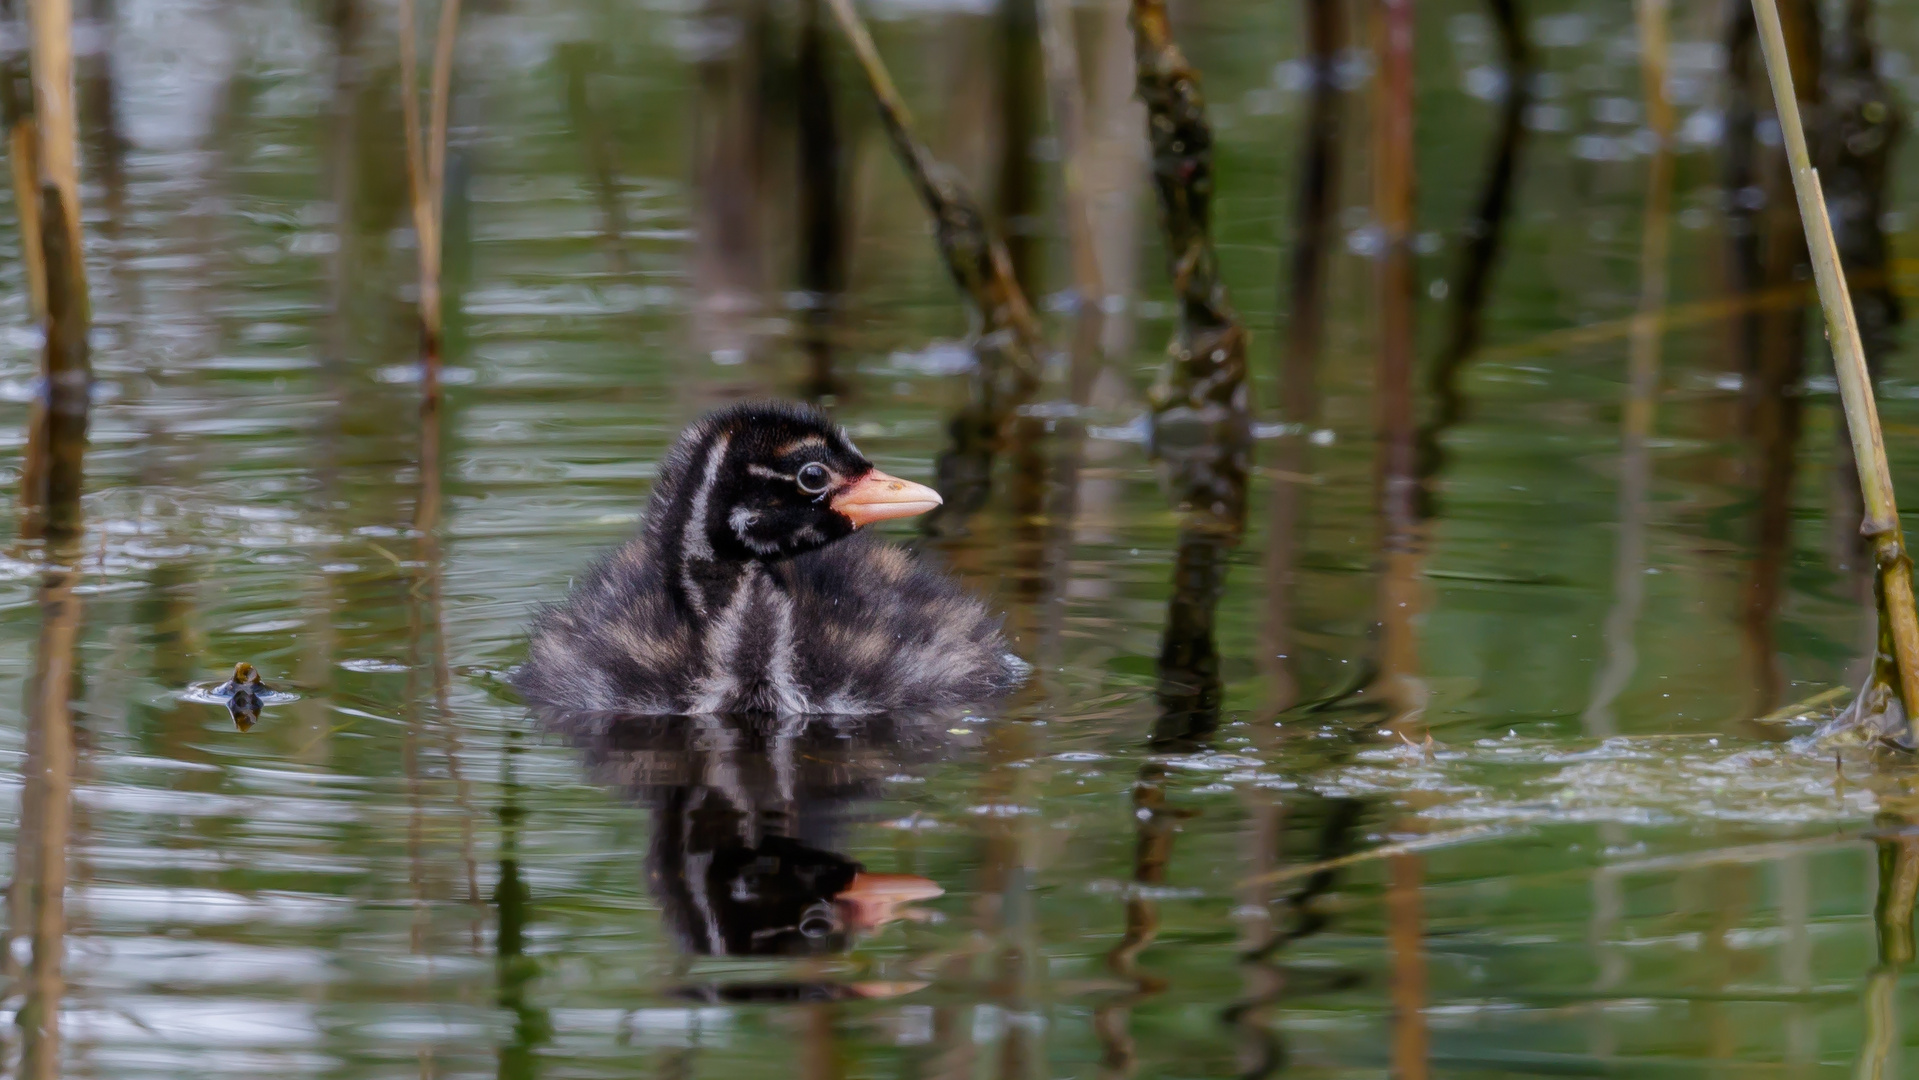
(814, 478)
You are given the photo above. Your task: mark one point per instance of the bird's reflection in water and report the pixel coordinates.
(746, 814)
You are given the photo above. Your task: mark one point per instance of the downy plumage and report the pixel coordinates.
(747, 590)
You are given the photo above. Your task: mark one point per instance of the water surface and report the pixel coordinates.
(1597, 865)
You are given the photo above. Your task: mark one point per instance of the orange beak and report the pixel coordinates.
(873, 900)
(879, 497)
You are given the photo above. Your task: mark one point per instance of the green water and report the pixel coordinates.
(1598, 867)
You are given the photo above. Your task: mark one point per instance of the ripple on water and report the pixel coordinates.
(372, 664)
(205, 694)
(1651, 780)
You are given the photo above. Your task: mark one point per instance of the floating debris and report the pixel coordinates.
(244, 695)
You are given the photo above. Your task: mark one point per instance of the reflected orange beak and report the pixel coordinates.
(873, 900)
(879, 497)
(868, 991)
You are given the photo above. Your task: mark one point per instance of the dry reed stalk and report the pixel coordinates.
(974, 254)
(23, 155)
(1401, 582)
(1207, 368)
(426, 174)
(51, 476)
(54, 110)
(67, 375)
(1199, 401)
(1201, 420)
(1897, 617)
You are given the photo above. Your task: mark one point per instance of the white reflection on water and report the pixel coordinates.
(1641, 781)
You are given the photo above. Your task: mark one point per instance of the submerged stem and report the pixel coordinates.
(1896, 610)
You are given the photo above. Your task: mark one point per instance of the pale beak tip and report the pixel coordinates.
(879, 497)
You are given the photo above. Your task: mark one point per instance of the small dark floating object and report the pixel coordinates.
(244, 695)
(747, 591)
(245, 681)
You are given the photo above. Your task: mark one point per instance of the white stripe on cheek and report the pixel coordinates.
(693, 538)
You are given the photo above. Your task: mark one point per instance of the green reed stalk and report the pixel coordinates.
(1896, 610)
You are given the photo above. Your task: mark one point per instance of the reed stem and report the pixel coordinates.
(54, 106)
(56, 439)
(23, 153)
(1896, 612)
(1207, 368)
(426, 173)
(68, 380)
(974, 254)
